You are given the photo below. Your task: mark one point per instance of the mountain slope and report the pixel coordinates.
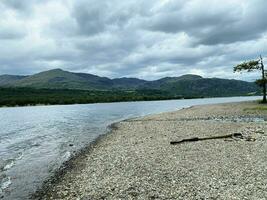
(184, 86)
(198, 86)
(9, 79)
(168, 82)
(127, 83)
(59, 79)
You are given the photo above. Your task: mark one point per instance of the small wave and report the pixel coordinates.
(5, 183)
(19, 156)
(67, 155)
(9, 165)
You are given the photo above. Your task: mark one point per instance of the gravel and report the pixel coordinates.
(136, 161)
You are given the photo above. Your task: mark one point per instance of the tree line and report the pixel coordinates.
(30, 96)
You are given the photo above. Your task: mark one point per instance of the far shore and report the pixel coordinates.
(58, 104)
(136, 161)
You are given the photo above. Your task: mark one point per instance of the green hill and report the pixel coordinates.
(59, 79)
(192, 85)
(183, 86)
(6, 80)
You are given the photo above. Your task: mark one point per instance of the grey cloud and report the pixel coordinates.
(147, 39)
(22, 6)
(211, 25)
(187, 19)
(11, 32)
(105, 15)
(17, 4)
(90, 18)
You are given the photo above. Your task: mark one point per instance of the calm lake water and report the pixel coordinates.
(34, 141)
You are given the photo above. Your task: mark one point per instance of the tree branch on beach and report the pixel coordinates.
(252, 66)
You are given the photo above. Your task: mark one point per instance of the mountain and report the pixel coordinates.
(126, 83)
(162, 83)
(9, 79)
(192, 85)
(182, 86)
(59, 79)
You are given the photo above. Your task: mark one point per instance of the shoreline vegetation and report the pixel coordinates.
(135, 160)
(12, 97)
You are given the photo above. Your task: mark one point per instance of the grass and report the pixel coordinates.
(260, 107)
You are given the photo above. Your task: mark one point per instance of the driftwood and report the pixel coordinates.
(194, 139)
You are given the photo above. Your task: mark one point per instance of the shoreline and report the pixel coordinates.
(77, 161)
(171, 99)
(74, 160)
(71, 163)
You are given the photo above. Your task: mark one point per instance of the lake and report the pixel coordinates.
(35, 141)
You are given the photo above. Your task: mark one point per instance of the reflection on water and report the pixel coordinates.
(34, 141)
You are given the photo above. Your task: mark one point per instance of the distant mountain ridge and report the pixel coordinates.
(186, 85)
(9, 79)
(60, 79)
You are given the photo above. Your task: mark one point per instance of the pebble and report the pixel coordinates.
(136, 161)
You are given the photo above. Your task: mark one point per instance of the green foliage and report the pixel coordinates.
(251, 66)
(30, 96)
(248, 66)
(261, 82)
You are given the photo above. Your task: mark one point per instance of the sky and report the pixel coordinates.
(148, 39)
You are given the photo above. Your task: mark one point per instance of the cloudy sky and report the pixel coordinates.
(148, 39)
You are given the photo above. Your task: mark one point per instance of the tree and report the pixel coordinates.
(252, 66)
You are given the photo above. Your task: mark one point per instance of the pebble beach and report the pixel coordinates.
(135, 160)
